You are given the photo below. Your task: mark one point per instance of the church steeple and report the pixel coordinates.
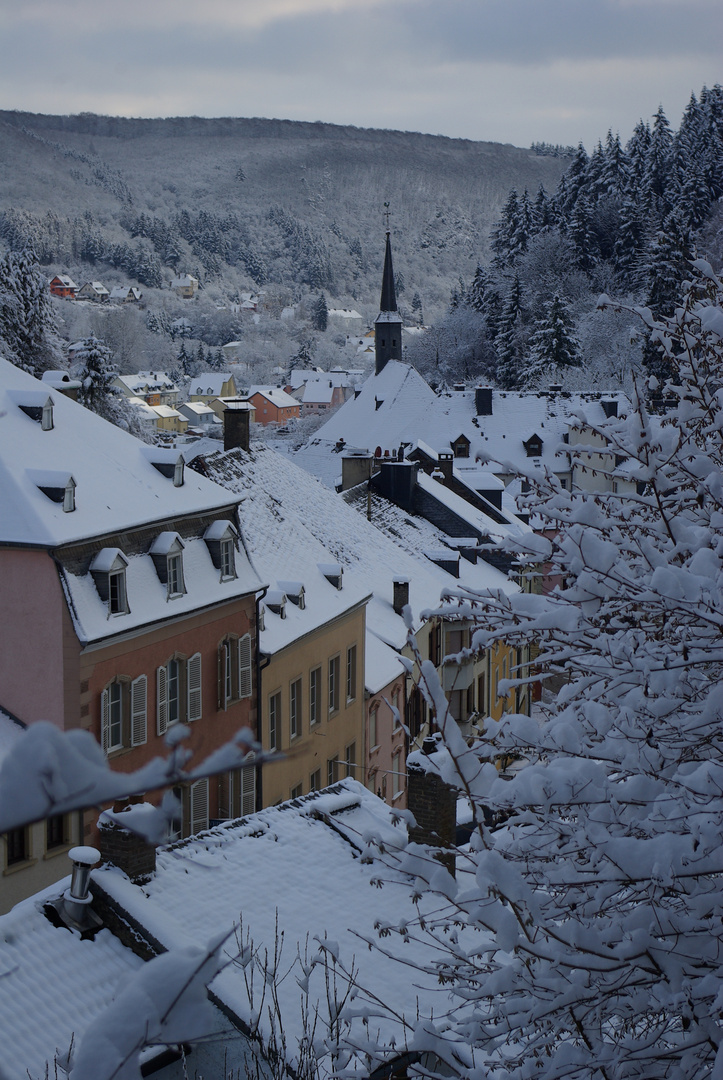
(388, 301)
(388, 323)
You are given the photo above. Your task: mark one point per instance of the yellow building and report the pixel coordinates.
(312, 704)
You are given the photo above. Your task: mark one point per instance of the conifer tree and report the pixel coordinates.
(320, 314)
(28, 334)
(94, 368)
(554, 343)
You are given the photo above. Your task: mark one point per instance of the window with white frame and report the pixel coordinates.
(374, 725)
(167, 554)
(350, 758)
(221, 540)
(108, 570)
(332, 771)
(397, 784)
(351, 673)
(124, 713)
(315, 780)
(334, 666)
(235, 671)
(179, 696)
(314, 696)
(275, 721)
(295, 690)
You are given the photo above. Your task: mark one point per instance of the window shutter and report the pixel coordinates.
(248, 790)
(194, 687)
(199, 806)
(139, 710)
(245, 679)
(105, 720)
(222, 676)
(162, 702)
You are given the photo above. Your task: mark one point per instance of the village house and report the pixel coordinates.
(93, 290)
(273, 405)
(126, 294)
(63, 286)
(391, 560)
(154, 387)
(185, 286)
(320, 847)
(212, 384)
(129, 603)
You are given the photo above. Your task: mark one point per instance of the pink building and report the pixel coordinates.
(128, 601)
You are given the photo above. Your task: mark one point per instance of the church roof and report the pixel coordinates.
(388, 301)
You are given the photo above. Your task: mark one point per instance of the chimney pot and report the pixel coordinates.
(401, 594)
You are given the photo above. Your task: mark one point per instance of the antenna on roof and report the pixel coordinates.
(385, 215)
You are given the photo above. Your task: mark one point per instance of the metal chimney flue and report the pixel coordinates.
(73, 908)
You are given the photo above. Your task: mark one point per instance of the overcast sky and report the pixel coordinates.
(508, 70)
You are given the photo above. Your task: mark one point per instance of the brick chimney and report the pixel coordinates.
(434, 805)
(236, 424)
(401, 593)
(126, 850)
(483, 400)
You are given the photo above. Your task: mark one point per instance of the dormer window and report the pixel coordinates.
(167, 555)
(221, 538)
(333, 572)
(108, 569)
(275, 601)
(38, 407)
(57, 486)
(168, 463)
(295, 592)
(533, 446)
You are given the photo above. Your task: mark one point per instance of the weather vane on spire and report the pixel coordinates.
(386, 214)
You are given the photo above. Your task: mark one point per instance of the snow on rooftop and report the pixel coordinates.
(52, 985)
(118, 488)
(397, 405)
(291, 523)
(275, 395)
(285, 869)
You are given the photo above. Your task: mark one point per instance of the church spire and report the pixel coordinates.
(389, 300)
(388, 323)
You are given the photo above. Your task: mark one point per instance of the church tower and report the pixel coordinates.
(388, 323)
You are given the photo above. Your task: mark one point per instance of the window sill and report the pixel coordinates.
(61, 849)
(14, 868)
(398, 795)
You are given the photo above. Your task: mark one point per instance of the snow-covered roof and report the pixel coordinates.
(343, 313)
(52, 985)
(184, 282)
(292, 523)
(397, 406)
(197, 408)
(209, 382)
(296, 869)
(117, 485)
(275, 395)
(147, 382)
(317, 392)
(65, 281)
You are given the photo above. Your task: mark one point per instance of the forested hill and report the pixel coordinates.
(245, 203)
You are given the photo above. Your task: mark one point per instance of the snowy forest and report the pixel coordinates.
(293, 209)
(624, 220)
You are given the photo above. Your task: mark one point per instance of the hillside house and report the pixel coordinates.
(95, 291)
(185, 286)
(126, 294)
(154, 387)
(347, 320)
(64, 287)
(201, 417)
(125, 589)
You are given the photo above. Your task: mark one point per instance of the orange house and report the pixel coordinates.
(273, 405)
(63, 286)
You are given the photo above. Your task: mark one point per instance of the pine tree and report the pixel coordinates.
(417, 307)
(28, 334)
(504, 233)
(94, 368)
(554, 343)
(510, 371)
(320, 314)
